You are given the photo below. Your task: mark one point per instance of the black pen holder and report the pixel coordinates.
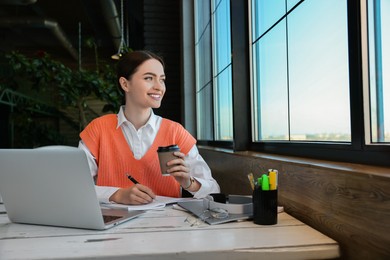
(265, 207)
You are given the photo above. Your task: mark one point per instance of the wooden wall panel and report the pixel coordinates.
(348, 202)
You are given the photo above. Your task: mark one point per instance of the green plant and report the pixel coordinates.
(44, 90)
(74, 86)
(31, 132)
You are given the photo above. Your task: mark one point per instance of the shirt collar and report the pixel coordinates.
(152, 122)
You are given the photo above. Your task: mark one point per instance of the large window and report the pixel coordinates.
(316, 83)
(213, 74)
(301, 75)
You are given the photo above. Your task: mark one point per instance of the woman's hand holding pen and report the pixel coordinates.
(134, 195)
(140, 194)
(180, 171)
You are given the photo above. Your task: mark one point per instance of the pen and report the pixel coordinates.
(132, 179)
(136, 182)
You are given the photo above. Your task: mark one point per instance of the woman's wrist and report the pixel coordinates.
(191, 181)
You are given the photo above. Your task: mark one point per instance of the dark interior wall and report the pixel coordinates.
(348, 202)
(4, 129)
(162, 36)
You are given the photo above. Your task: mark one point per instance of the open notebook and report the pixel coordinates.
(158, 203)
(53, 186)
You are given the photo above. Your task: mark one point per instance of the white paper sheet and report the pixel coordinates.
(158, 203)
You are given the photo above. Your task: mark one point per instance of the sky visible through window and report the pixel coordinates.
(376, 73)
(318, 70)
(301, 76)
(386, 64)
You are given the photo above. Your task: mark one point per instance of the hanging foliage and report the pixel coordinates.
(73, 87)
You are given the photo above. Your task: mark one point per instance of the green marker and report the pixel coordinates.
(259, 182)
(264, 182)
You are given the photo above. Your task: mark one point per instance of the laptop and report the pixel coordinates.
(53, 186)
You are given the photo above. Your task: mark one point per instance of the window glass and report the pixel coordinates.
(266, 13)
(379, 63)
(204, 117)
(213, 70)
(203, 60)
(223, 104)
(301, 63)
(306, 99)
(222, 71)
(291, 4)
(318, 71)
(222, 37)
(202, 17)
(271, 92)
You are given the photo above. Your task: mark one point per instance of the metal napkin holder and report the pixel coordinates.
(234, 204)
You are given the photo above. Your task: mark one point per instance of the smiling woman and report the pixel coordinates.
(144, 89)
(128, 142)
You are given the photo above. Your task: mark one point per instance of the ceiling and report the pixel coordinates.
(57, 27)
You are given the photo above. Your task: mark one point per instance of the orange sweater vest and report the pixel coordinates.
(115, 158)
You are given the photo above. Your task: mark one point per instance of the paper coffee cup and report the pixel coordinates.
(165, 154)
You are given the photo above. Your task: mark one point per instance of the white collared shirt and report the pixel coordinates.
(140, 141)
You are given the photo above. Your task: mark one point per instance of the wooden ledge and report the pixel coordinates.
(352, 168)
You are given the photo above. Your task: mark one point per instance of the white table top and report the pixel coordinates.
(167, 234)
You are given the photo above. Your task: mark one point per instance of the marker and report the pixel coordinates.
(259, 182)
(132, 179)
(251, 180)
(264, 182)
(273, 179)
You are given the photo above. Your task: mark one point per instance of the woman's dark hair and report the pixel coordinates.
(129, 63)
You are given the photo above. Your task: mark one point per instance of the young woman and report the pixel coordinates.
(127, 143)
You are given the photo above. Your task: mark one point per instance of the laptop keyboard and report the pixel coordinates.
(109, 218)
